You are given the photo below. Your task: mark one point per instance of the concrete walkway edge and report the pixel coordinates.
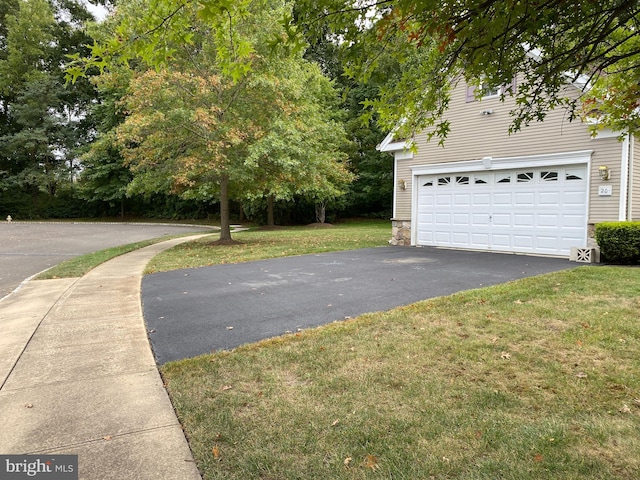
(77, 376)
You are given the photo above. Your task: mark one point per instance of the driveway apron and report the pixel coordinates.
(196, 311)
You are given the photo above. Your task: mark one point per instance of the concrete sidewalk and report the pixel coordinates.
(77, 376)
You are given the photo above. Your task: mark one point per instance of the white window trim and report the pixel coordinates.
(499, 91)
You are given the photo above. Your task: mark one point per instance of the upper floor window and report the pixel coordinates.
(486, 91)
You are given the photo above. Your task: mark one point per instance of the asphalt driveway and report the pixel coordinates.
(27, 248)
(196, 311)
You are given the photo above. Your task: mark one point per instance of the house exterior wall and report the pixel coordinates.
(475, 135)
(608, 151)
(403, 197)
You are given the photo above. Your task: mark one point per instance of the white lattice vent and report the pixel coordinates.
(585, 255)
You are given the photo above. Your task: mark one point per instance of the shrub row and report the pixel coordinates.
(619, 242)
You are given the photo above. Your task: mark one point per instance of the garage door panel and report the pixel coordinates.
(425, 238)
(479, 238)
(442, 238)
(548, 219)
(442, 219)
(461, 219)
(568, 241)
(480, 220)
(460, 239)
(573, 198)
(462, 200)
(576, 221)
(523, 241)
(551, 199)
(501, 220)
(426, 201)
(542, 213)
(525, 199)
(547, 242)
(481, 199)
(523, 220)
(443, 200)
(425, 219)
(502, 199)
(500, 241)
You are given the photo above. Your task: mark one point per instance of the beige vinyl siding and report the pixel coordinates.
(474, 136)
(607, 151)
(634, 176)
(403, 197)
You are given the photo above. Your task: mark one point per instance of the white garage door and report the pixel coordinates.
(532, 210)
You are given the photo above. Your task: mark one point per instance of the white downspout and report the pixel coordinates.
(624, 179)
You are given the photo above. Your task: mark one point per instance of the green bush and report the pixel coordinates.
(619, 242)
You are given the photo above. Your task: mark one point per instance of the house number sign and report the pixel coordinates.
(605, 190)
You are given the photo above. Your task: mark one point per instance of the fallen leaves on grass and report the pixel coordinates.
(625, 409)
(216, 453)
(371, 462)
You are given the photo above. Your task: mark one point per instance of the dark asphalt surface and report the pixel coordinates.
(27, 248)
(196, 311)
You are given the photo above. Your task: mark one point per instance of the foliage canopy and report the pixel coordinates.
(214, 111)
(546, 43)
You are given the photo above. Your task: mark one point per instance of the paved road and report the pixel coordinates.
(27, 248)
(195, 311)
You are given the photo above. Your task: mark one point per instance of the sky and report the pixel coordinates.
(98, 11)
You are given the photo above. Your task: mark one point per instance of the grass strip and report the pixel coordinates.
(78, 266)
(537, 378)
(261, 244)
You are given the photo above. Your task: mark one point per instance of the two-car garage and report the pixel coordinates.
(540, 207)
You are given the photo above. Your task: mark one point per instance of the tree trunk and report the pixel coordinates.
(321, 210)
(225, 223)
(122, 208)
(270, 219)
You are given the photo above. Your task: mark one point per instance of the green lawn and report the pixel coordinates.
(535, 379)
(258, 244)
(78, 266)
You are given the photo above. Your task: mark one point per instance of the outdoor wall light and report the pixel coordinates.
(604, 172)
(402, 184)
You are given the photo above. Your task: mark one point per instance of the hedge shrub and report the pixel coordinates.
(619, 242)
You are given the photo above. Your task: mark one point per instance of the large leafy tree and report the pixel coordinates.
(372, 190)
(217, 111)
(105, 177)
(42, 123)
(548, 43)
